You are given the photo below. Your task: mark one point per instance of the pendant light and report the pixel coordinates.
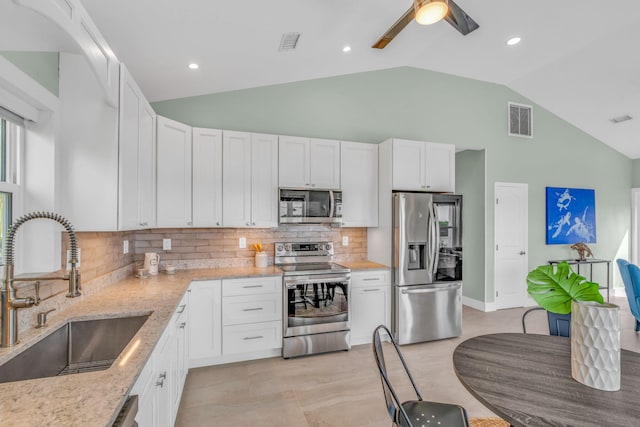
(430, 11)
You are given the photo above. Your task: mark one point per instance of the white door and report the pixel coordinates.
(635, 225)
(511, 238)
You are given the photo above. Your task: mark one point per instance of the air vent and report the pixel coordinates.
(520, 120)
(289, 41)
(621, 119)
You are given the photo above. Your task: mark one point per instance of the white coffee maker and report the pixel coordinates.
(151, 262)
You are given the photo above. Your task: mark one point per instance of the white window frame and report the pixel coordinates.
(15, 137)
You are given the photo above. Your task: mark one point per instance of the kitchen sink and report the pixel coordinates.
(76, 347)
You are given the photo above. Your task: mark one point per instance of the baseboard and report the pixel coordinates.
(478, 305)
(231, 358)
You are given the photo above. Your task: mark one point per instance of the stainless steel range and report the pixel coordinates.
(316, 299)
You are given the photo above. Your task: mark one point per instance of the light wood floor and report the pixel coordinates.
(343, 388)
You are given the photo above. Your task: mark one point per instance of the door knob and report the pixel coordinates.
(522, 253)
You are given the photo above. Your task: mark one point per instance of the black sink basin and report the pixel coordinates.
(76, 347)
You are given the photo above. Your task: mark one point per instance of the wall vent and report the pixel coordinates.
(520, 120)
(621, 119)
(289, 41)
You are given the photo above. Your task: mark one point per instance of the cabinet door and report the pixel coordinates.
(207, 177)
(174, 174)
(408, 165)
(136, 163)
(371, 304)
(236, 179)
(440, 167)
(130, 104)
(162, 356)
(147, 167)
(178, 373)
(206, 319)
(293, 153)
(359, 177)
(264, 180)
(324, 163)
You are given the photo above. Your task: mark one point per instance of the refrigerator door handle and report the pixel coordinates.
(332, 204)
(434, 241)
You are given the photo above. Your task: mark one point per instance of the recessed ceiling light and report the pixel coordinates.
(346, 49)
(513, 41)
(193, 66)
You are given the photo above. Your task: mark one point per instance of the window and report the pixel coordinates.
(10, 143)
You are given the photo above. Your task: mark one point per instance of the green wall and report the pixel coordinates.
(635, 181)
(40, 66)
(418, 104)
(470, 173)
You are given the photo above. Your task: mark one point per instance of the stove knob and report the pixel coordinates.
(287, 247)
(321, 247)
(329, 246)
(279, 247)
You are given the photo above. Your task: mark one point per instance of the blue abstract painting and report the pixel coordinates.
(571, 215)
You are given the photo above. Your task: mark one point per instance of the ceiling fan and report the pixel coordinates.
(428, 12)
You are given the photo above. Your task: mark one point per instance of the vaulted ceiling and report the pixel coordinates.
(577, 58)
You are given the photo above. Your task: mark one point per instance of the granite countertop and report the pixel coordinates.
(95, 398)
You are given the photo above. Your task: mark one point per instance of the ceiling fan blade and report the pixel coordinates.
(459, 19)
(395, 29)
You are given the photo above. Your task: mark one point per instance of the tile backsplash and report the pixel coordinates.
(219, 247)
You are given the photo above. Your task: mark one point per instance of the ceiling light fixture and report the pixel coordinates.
(513, 41)
(430, 11)
(193, 66)
(346, 49)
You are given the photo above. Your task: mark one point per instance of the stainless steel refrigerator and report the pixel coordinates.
(427, 266)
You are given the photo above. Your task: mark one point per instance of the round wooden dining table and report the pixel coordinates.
(526, 379)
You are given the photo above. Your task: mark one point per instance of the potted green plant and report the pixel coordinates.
(555, 287)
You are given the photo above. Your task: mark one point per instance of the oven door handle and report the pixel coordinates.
(292, 283)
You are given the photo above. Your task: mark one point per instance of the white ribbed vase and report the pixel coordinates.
(595, 344)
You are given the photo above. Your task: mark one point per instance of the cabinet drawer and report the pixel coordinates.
(251, 308)
(371, 278)
(251, 337)
(257, 285)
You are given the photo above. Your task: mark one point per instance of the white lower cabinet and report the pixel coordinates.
(206, 322)
(251, 314)
(370, 303)
(159, 386)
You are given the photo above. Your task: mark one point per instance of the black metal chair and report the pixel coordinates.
(559, 324)
(413, 412)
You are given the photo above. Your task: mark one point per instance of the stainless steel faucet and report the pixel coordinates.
(10, 302)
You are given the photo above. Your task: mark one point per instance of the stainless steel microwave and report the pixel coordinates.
(310, 206)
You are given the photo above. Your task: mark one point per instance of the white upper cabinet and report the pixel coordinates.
(359, 172)
(207, 177)
(250, 180)
(309, 163)
(264, 180)
(174, 174)
(136, 157)
(423, 166)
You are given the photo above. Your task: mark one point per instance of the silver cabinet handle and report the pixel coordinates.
(190, 223)
(181, 308)
(371, 290)
(370, 279)
(253, 223)
(253, 309)
(218, 223)
(253, 338)
(182, 325)
(246, 223)
(252, 286)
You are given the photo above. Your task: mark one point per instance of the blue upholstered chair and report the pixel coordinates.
(631, 278)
